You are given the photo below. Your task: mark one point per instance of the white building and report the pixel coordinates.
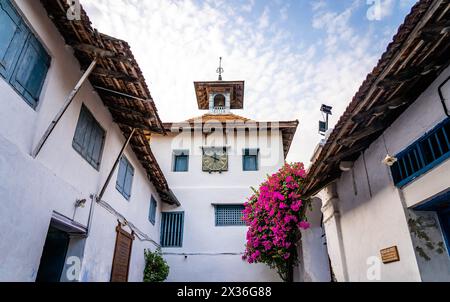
(47, 234)
(211, 162)
(382, 178)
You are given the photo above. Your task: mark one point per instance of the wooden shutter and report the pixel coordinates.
(12, 38)
(121, 175)
(89, 138)
(128, 180)
(122, 256)
(31, 70)
(152, 212)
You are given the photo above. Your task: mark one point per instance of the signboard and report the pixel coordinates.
(122, 255)
(390, 255)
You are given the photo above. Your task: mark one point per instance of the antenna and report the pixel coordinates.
(323, 125)
(220, 69)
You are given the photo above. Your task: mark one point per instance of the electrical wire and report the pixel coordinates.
(139, 234)
(204, 254)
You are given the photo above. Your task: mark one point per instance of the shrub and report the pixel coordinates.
(275, 214)
(156, 268)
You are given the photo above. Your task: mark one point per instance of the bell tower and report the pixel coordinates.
(219, 97)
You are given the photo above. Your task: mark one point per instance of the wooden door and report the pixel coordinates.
(122, 256)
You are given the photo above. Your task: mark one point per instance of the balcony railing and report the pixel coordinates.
(219, 110)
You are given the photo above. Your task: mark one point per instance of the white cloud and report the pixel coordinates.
(247, 7)
(178, 42)
(264, 19)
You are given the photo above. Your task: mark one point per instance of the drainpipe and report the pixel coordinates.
(66, 105)
(441, 95)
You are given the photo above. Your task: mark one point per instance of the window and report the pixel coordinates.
(23, 60)
(181, 161)
(152, 212)
(172, 224)
(89, 138)
(229, 215)
(125, 178)
(423, 155)
(219, 101)
(250, 159)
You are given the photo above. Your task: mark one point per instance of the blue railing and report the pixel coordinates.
(423, 155)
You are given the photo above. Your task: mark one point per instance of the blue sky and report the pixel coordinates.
(293, 55)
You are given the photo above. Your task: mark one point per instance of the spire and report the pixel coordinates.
(220, 69)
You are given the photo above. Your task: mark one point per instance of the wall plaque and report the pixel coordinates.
(122, 255)
(390, 255)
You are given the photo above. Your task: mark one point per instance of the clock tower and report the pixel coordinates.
(219, 97)
(212, 161)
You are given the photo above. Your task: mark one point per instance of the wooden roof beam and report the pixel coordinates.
(100, 52)
(346, 154)
(364, 132)
(125, 110)
(136, 125)
(379, 110)
(108, 73)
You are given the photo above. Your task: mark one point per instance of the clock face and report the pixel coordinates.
(215, 160)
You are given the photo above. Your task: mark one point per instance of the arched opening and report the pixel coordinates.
(219, 101)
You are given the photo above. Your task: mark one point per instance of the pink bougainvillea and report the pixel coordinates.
(275, 217)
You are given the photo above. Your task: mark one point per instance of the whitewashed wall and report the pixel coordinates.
(197, 191)
(31, 189)
(376, 218)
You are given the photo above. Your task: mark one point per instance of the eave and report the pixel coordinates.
(420, 51)
(287, 128)
(119, 82)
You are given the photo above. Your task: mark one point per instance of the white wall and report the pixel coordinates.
(374, 213)
(314, 262)
(197, 191)
(31, 189)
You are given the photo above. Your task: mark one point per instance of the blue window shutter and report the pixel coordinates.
(80, 132)
(12, 37)
(89, 138)
(125, 178)
(121, 175)
(181, 163)
(30, 72)
(98, 147)
(128, 181)
(152, 212)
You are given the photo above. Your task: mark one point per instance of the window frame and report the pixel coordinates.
(175, 156)
(217, 207)
(119, 187)
(248, 152)
(75, 144)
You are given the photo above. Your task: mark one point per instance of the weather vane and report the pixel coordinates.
(220, 69)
